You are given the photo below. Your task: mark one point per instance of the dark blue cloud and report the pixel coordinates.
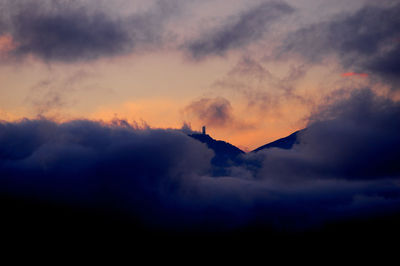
(345, 165)
(351, 139)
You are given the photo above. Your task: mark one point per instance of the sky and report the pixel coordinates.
(245, 69)
(97, 99)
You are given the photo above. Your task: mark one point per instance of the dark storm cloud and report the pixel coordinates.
(345, 165)
(97, 164)
(211, 111)
(364, 41)
(248, 27)
(72, 31)
(364, 127)
(354, 138)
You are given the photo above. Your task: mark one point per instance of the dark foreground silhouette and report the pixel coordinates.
(113, 183)
(34, 222)
(32, 218)
(283, 143)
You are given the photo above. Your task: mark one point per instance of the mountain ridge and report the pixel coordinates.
(282, 143)
(222, 147)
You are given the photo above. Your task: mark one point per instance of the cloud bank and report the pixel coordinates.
(351, 139)
(346, 165)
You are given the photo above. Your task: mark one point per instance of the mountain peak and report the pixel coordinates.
(225, 153)
(283, 143)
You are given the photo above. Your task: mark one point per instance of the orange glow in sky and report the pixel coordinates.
(353, 74)
(7, 44)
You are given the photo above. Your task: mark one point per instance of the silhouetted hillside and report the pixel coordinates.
(283, 143)
(225, 153)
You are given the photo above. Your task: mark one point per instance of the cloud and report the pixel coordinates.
(92, 162)
(49, 96)
(353, 139)
(248, 67)
(248, 27)
(215, 112)
(345, 166)
(364, 127)
(261, 89)
(364, 41)
(68, 31)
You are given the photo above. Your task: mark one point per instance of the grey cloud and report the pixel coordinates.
(364, 41)
(262, 90)
(249, 67)
(50, 95)
(71, 31)
(211, 111)
(248, 27)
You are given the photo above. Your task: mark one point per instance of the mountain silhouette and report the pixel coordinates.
(283, 143)
(225, 153)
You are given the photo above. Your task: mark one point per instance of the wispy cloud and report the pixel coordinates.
(246, 28)
(363, 41)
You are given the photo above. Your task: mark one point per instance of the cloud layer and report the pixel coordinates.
(345, 165)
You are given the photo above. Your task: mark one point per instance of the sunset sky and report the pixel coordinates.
(251, 71)
(102, 103)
